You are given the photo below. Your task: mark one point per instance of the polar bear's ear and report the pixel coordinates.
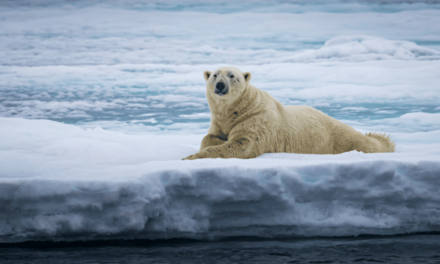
(247, 76)
(206, 74)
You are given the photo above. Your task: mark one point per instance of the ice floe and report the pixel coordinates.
(61, 182)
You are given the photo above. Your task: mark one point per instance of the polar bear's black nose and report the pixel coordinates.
(220, 86)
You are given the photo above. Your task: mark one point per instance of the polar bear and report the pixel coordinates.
(247, 122)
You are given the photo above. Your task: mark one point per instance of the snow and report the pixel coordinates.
(99, 103)
(63, 182)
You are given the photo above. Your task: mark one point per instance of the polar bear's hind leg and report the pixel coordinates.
(385, 143)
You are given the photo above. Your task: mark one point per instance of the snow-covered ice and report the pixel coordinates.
(99, 102)
(63, 182)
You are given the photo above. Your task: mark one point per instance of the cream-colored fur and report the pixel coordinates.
(247, 122)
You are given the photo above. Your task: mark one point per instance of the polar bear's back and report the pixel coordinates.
(309, 117)
(309, 130)
(323, 134)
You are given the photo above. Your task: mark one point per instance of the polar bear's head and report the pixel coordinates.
(226, 83)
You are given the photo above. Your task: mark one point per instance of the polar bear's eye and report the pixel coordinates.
(215, 75)
(231, 76)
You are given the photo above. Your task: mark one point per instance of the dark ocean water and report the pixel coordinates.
(421, 248)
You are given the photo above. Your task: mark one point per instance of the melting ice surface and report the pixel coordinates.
(99, 103)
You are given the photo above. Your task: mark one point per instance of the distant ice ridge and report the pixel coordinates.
(258, 6)
(99, 34)
(60, 182)
(366, 48)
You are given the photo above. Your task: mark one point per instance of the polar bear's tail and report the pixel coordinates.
(385, 143)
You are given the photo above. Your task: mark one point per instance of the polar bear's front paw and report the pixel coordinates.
(193, 157)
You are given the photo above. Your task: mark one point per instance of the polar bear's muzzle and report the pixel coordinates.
(221, 88)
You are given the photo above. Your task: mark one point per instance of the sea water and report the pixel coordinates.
(399, 249)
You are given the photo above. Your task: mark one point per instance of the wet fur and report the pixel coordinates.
(247, 122)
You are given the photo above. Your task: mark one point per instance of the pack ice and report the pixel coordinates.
(62, 182)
